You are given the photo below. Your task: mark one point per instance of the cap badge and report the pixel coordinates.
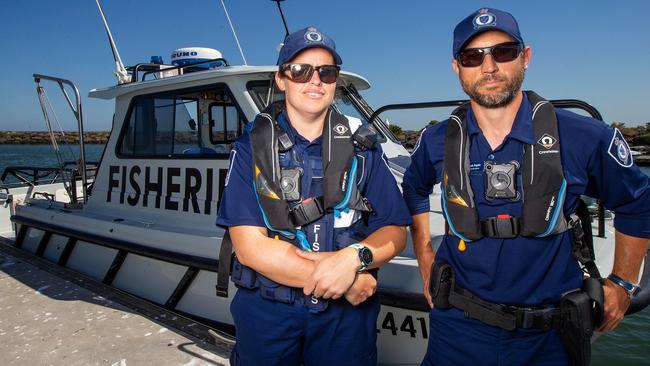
(313, 36)
(484, 19)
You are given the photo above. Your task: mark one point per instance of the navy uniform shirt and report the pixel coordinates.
(523, 270)
(239, 205)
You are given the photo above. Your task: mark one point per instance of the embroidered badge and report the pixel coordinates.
(484, 19)
(619, 150)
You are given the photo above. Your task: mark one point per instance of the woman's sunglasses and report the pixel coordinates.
(502, 52)
(302, 73)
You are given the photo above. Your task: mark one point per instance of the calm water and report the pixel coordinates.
(629, 344)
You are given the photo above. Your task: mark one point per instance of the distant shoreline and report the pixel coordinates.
(43, 137)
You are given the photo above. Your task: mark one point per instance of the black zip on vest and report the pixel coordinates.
(543, 182)
(339, 172)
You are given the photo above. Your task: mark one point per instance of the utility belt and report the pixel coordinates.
(579, 312)
(244, 277)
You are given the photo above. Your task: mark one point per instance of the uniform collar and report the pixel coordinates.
(296, 138)
(522, 129)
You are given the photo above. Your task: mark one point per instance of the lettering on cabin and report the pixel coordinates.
(169, 188)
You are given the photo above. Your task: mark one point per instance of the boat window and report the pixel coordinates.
(162, 125)
(226, 122)
(187, 124)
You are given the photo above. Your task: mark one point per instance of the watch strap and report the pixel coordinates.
(359, 247)
(629, 287)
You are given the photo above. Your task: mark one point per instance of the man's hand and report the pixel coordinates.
(617, 301)
(425, 260)
(334, 273)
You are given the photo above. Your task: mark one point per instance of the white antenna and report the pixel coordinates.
(233, 32)
(121, 73)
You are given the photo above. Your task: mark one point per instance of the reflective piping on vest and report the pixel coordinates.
(451, 224)
(302, 238)
(351, 180)
(273, 156)
(557, 211)
(460, 165)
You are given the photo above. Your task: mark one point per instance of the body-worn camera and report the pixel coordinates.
(290, 184)
(501, 180)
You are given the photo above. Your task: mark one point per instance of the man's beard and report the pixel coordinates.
(497, 100)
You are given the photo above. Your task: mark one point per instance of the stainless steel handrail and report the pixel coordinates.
(76, 110)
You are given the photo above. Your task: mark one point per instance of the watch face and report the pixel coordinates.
(366, 256)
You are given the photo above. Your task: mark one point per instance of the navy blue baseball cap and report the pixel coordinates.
(309, 37)
(483, 20)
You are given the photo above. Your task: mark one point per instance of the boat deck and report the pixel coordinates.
(52, 316)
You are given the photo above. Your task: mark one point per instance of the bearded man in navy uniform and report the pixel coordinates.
(512, 170)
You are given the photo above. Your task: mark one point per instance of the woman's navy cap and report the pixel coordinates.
(483, 20)
(309, 37)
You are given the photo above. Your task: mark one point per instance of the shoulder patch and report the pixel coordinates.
(619, 150)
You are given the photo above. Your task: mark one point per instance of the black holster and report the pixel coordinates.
(581, 311)
(441, 281)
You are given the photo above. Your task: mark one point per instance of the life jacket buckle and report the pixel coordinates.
(307, 211)
(501, 226)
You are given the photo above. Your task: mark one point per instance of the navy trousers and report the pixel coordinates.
(275, 333)
(456, 340)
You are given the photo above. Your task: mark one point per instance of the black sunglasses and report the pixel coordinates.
(302, 73)
(502, 52)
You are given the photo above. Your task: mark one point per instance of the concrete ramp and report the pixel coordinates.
(53, 316)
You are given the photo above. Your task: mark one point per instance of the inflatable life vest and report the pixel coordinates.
(543, 182)
(326, 213)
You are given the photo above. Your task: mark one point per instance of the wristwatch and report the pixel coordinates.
(365, 255)
(632, 289)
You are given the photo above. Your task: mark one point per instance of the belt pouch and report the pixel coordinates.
(273, 291)
(440, 283)
(243, 276)
(576, 326)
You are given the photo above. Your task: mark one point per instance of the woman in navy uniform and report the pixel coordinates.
(305, 295)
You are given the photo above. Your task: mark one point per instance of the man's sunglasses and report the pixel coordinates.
(302, 73)
(502, 52)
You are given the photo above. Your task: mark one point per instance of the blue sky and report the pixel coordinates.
(597, 51)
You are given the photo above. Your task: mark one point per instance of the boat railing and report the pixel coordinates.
(68, 182)
(154, 69)
(559, 103)
(18, 176)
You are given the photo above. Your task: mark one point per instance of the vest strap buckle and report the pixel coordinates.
(307, 211)
(501, 226)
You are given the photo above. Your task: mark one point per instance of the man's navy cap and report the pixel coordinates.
(483, 20)
(309, 37)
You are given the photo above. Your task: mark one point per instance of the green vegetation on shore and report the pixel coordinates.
(43, 137)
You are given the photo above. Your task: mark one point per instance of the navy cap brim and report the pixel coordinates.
(337, 58)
